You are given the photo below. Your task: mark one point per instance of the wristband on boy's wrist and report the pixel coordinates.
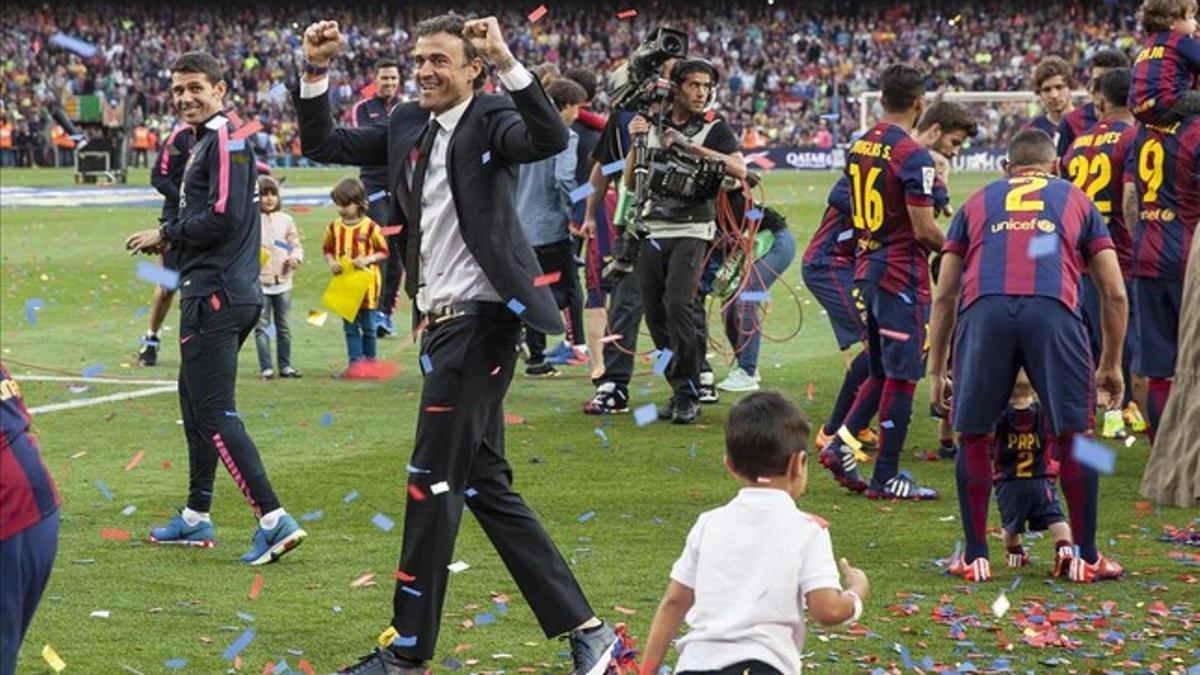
(858, 606)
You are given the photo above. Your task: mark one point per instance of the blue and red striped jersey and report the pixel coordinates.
(1095, 163)
(1073, 124)
(1021, 444)
(1028, 234)
(1045, 125)
(1165, 165)
(833, 243)
(1166, 68)
(888, 171)
(27, 492)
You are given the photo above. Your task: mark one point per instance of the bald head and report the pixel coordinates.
(1031, 148)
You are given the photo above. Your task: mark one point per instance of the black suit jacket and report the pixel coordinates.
(494, 135)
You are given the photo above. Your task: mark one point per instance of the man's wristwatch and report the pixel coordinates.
(314, 70)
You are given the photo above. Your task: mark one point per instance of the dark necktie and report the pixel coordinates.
(412, 257)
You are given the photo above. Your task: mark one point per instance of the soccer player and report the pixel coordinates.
(29, 522)
(218, 236)
(1165, 201)
(1080, 119)
(891, 182)
(1052, 84)
(166, 175)
(1014, 253)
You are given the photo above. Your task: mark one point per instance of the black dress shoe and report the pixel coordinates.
(686, 411)
(383, 661)
(666, 412)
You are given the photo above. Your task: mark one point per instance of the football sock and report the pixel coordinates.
(866, 404)
(270, 520)
(1156, 402)
(860, 369)
(193, 518)
(1080, 485)
(1016, 549)
(895, 411)
(973, 473)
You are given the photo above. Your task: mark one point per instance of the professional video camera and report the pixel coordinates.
(632, 85)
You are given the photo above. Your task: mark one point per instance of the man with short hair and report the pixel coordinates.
(452, 159)
(218, 238)
(1014, 254)
(377, 109)
(1080, 119)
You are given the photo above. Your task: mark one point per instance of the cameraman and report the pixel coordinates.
(678, 227)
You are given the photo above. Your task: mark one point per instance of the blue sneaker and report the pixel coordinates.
(270, 545)
(560, 354)
(179, 532)
(384, 326)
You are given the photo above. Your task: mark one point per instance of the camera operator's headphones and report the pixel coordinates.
(681, 68)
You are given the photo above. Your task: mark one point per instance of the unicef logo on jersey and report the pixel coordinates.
(1040, 224)
(1045, 226)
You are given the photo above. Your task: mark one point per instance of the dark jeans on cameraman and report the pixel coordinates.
(558, 257)
(624, 319)
(669, 275)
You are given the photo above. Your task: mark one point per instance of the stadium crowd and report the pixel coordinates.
(786, 71)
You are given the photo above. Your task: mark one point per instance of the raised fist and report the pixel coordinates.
(322, 40)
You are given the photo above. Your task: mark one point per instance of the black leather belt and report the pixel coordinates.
(454, 310)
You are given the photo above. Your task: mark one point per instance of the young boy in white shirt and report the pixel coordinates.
(750, 568)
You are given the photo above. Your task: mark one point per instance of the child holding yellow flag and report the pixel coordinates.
(354, 247)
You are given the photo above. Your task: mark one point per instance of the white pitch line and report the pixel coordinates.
(84, 402)
(97, 380)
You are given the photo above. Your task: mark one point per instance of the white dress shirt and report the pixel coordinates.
(449, 273)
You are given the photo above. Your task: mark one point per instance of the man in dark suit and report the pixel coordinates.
(452, 163)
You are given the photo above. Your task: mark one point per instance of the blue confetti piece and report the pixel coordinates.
(351, 496)
(103, 489)
(906, 657)
(1042, 246)
(279, 93)
(645, 414)
(663, 360)
(236, 144)
(692, 452)
(761, 297)
(603, 437)
(657, 521)
(586, 516)
(281, 667)
(32, 305)
(93, 371)
(654, 243)
(426, 364)
(1091, 454)
(412, 469)
(327, 419)
(487, 156)
(158, 275)
(279, 243)
(471, 492)
(484, 619)
(141, 311)
(615, 166)
(411, 591)
(405, 641)
(312, 515)
(754, 214)
(232, 413)
(516, 306)
(1016, 582)
(887, 424)
(383, 522)
(927, 662)
(175, 664)
(581, 193)
(904, 296)
(376, 196)
(245, 616)
(239, 644)
(501, 607)
(269, 331)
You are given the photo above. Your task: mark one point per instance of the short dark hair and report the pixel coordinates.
(453, 24)
(1158, 15)
(1051, 66)
(1030, 147)
(199, 62)
(565, 92)
(350, 190)
(902, 85)
(1109, 58)
(585, 78)
(386, 63)
(762, 433)
(1114, 86)
(949, 116)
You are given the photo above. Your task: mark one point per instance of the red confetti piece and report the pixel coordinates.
(495, 371)
(537, 13)
(369, 91)
(610, 338)
(237, 662)
(113, 534)
(256, 587)
(415, 492)
(401, 575)
(627, 14)
(547, 279)
(301, 209)
(514, 419)
(390, 230)
(809, 391)
(268, 669)
(305, 667)
(367, 369)
(761, 160)
(135, 460)
(253, 127)
(439, 408)
(233, 117)
(166, 464)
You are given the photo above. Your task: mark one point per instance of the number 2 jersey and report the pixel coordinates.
(1020, 450)
(1165, 169)
(888, 171)
(1095, 163)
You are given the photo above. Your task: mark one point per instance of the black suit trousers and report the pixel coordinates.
(459, 459)
(669, 275)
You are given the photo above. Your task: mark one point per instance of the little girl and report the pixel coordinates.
(354, 236)
(283, 254)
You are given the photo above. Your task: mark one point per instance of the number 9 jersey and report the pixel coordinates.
(1165, 169)
(888, 171)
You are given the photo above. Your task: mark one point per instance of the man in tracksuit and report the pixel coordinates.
(217, 236)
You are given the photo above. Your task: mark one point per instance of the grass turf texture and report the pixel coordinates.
(645, 489)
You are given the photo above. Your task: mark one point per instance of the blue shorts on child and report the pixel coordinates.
(1028, 501)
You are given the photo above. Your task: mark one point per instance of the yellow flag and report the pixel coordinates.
(346, 291)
